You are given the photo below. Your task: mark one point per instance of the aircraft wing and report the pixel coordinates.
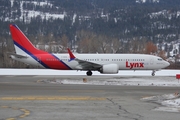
(87, 65)
(17, 55)
(84, 64)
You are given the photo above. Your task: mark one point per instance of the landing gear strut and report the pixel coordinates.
(89, 73)
(153, 73)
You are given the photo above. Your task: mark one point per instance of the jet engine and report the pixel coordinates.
(109, 69)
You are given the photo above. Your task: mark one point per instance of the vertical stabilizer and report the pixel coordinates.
(24, 48)
(21, 43)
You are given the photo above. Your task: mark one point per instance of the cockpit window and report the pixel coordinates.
(160, 59)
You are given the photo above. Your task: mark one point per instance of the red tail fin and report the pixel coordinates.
(21, 42)
(24, 46)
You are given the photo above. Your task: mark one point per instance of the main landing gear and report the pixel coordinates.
(89, 73)
(153, 73)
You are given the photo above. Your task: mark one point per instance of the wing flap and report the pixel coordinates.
(87, 65)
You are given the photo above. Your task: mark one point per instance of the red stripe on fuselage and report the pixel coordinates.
(52, 62)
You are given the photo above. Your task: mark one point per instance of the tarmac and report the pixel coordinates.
(26, 98)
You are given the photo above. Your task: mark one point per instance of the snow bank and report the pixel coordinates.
(74, 72)
(169, 102)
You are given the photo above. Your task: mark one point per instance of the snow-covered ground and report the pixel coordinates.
(121, 81)
(74, 72)
(169, 102)
(123, 78)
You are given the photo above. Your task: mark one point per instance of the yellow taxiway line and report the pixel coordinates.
(88, 98)
(25, 112)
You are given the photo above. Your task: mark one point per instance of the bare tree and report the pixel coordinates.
(64, 42)
(87, 42)
(104, 44)
(2, 52)
(51, 41)
(150, 48)
(39, 41)
(115, 45)
(162, 54)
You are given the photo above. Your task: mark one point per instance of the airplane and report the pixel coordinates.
(27, 53)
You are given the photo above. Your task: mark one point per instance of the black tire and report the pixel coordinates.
(153, 74)
(89, 73)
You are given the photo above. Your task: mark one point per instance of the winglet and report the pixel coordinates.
(72, 57)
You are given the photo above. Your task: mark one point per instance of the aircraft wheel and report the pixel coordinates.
(89, 73)
(153, 73)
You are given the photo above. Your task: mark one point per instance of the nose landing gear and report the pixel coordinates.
(153, 73)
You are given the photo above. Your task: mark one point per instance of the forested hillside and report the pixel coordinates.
(104, 26)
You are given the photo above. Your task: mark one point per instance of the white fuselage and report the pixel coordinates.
(124, 61)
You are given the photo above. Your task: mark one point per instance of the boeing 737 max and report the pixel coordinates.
(104, 63)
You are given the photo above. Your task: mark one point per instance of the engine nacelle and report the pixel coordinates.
(109, 69)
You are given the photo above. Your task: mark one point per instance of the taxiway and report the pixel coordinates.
(24, 97)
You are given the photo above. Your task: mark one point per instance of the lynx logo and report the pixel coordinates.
(134, 65)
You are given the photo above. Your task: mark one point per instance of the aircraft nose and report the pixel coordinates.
(166, 63)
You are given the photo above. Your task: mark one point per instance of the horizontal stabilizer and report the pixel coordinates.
(17, 55)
